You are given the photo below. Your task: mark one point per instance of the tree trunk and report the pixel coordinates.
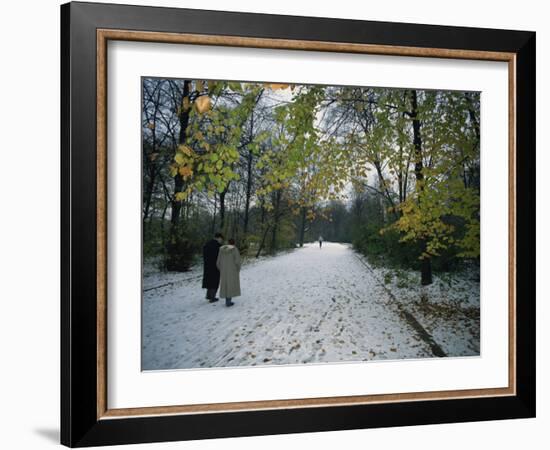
(472, 115)
(162, 233)
(262, 244)
(302, 226)
(149, 164)
(176, 259)
(470, 172)
(384, 189)
(148, 194)
(275, 221)
(426, 265)
(178, 180)
(248, 190)
(222, 209)
(426, 272)
(262, 211)
(236, 216)
(213, 230)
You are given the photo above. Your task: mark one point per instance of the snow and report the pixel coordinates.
(309, 305)
(448, 309)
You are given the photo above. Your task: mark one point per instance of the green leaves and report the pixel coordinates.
(314, 142)
(234, 86)
(439, 208)
(429, 214)
(181, 196)
(207, 160)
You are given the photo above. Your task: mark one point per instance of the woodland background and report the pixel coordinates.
(395, 172)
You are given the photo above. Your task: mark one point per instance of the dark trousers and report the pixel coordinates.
(211, 293)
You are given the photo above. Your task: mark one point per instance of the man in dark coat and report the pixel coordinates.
(211, 274)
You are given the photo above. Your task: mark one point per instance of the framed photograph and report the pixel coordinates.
(277, 224)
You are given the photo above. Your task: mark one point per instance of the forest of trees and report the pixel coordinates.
(393, 171)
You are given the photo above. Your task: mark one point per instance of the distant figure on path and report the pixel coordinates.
(211, 274)
(229, 264)
(320, 241)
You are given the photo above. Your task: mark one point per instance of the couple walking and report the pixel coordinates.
(222, 264)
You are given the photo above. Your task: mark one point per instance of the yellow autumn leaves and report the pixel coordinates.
(183, 157)
(203, 104)
(185, 171)
(276, 86)
(185, 149)
(205, 162)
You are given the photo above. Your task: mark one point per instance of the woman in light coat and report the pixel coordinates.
(229, 265)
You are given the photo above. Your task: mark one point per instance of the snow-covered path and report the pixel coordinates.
(309, 305)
